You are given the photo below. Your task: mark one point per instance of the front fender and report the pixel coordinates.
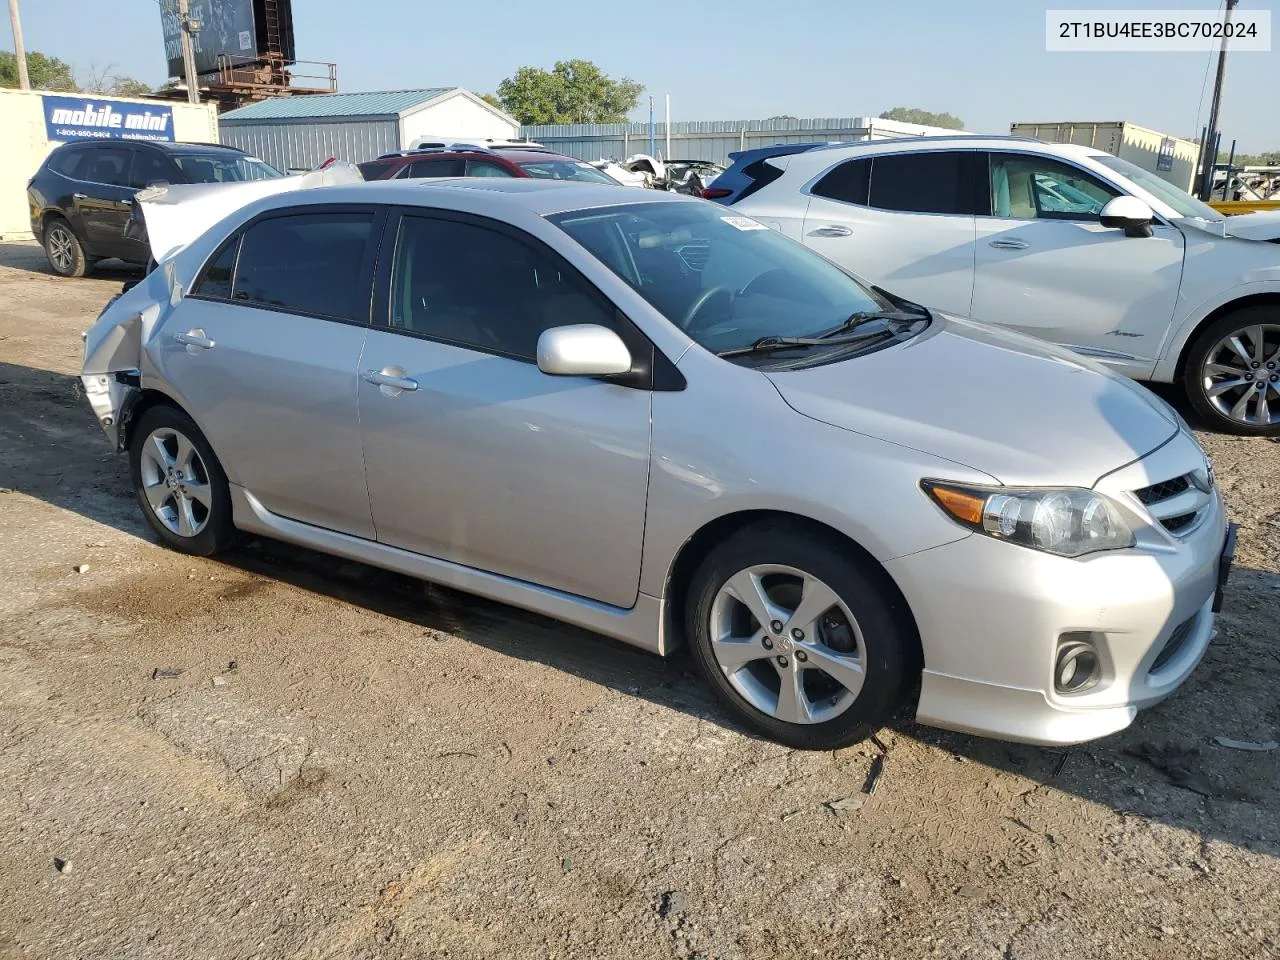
(1183, 331)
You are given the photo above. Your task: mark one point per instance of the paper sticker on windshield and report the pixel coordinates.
(744, 223)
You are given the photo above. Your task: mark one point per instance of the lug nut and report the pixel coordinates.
(1248, 376)
(782, 661)
(797, 634)
(1260, 385)
(776, 626)
(1255, 364)
(768, 644)
(801, 656)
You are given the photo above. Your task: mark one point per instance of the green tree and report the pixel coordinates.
(573, 91)
(46, 73)
(491, 100)
(924, 117)
(105, 80)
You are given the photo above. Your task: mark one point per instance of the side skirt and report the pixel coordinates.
(641, 626)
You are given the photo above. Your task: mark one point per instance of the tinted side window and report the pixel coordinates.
(935, 182)
(434, 168)
(307, 263)
(479, 288)
(149, 166)
(108, 165)
(484, 168)
(216, 281)
(847, 182)
(69, 163)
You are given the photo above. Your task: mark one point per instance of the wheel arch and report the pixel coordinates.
(697, 547)
(1262, 298)
(139, 402)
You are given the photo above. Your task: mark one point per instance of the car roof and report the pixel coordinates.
(504, 153)
(959, 141)
(480, 195)
(193, 147)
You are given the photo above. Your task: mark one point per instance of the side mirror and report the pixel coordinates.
(582, 350)
(1128, 214)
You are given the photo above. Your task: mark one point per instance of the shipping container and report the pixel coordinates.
(33, 122)
(1171, 158)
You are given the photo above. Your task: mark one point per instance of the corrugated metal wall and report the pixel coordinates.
(694, 140)
(305, 143)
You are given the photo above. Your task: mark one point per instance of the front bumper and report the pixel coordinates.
(991, 617)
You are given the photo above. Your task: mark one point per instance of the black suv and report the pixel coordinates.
(81, 198)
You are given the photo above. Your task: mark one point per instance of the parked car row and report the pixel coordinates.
(659, 419)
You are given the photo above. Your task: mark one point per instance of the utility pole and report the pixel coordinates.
(188, 27)
(19, 50)
(1210, 146)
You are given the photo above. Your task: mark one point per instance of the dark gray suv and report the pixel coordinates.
(81, 198)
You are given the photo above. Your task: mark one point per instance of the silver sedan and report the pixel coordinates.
(645, 416)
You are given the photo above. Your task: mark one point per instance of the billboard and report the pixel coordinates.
(245, 30)
(91, 118)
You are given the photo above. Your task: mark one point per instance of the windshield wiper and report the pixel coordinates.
(770, 344)
(855, 320)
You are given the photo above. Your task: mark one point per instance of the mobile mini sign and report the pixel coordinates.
(86, 118)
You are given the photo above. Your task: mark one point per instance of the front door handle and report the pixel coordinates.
(1013, 243)
(78, 196)
(194, 340)
(391, 380)
(831, 230)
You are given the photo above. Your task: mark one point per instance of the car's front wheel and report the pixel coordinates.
(799, 638)
(1232, 373)
(64, 250)
(179, 483)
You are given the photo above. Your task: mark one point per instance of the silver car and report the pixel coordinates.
(643, 415)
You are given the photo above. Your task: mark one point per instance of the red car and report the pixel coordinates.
(470, 160)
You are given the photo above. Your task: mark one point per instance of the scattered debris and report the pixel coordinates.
(62, 866)
(167, 673)
(1062, 763)
(219, 681)
(845, 805)
(456, 753)
(672, 902)
(233, 665)
(566, 864)
(879, 743)
(873, 776)
(790, 815)
(1256, 746)
(81, 568)
(1176, 763)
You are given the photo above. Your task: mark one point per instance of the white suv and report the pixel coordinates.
(1063, 242)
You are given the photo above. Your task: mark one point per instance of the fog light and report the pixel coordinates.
(1078, 667)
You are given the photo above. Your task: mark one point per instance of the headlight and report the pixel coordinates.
(1067, 521)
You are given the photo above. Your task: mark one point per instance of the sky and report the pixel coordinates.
(982, 60)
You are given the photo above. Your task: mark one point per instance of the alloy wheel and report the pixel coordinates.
(1241, 375)
(61, 248)
(787, 644)
(175, 482)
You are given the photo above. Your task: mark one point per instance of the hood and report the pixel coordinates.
(1264, 225)
(178, 213)
(1020, 410)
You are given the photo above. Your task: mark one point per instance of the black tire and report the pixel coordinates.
(215, 530)
(64, 250)
(1193, 379)
(887, 633)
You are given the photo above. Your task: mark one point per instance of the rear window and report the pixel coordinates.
(566, 170)
(306, 263)
(847, 183)
(69, 163)
(223, 167)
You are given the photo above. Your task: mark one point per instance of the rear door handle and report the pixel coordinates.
(1013, 243)
(194, 340)
(391, 379)
(831, 230)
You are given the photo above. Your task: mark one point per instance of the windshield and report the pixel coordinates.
(223, 168)
(567, 170)
(727, 281)
(1185, 204)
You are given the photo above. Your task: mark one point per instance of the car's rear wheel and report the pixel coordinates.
(179, 483)
(64, 250)
(1232, 375)
(797, 637)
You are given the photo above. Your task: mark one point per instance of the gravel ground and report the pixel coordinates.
(351, 764)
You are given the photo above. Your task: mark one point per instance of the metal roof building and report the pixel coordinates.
(304, 131)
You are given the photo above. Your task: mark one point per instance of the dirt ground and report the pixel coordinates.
(352, 764)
